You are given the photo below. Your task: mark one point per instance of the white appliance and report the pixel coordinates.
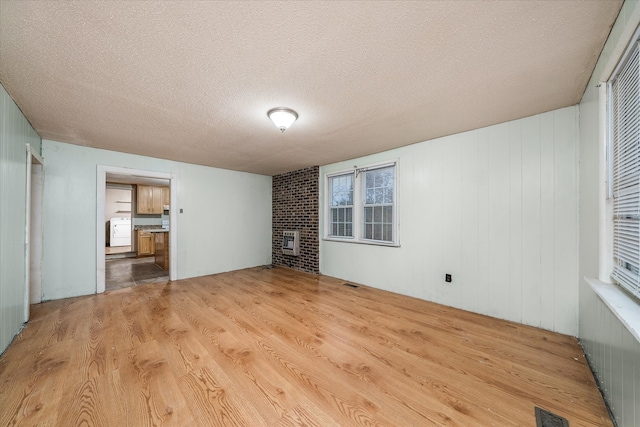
(291, 243)
(120, 231)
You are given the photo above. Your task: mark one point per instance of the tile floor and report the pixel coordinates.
(127, 272)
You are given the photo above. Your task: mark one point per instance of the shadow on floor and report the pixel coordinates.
(127, 272)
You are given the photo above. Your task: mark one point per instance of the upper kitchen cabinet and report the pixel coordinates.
(157, 200)
(166, 199)
(150, 199)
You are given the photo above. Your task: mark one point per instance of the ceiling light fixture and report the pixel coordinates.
(282, 117)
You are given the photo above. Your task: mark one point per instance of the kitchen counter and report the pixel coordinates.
(156, 245)
(151, 229)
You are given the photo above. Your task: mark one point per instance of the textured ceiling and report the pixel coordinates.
(192, 81)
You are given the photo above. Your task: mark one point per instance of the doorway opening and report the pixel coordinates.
(127, 229)
(33, 230)
(132, 221)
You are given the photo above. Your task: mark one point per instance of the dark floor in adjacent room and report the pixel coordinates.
(127, 272)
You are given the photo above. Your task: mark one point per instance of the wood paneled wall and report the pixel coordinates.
(495, 207)
(15, 133)
(614, 355)
(613, 352)
(223, 221)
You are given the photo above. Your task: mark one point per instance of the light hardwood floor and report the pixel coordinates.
(276, 347)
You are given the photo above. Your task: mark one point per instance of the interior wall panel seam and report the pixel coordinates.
(492, 184)
(16, 133)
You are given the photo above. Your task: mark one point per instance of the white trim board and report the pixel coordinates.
(621, 304)
(33, 282)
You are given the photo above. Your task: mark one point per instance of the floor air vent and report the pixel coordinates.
(548, 419)
(350, 285)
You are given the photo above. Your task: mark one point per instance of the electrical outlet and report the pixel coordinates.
(447, 278)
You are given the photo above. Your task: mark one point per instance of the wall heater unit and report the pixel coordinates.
(291, 243)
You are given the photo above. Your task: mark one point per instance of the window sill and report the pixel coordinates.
(361, 242)
(623, 305)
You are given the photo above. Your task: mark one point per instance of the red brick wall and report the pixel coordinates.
(295, 207)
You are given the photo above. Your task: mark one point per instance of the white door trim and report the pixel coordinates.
(32, 158)
(101, 186)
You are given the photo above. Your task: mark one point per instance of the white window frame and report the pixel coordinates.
(630, 287)
(359, 203)
(330, 207)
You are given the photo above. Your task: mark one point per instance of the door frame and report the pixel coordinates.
(101, 186)
(33, 158)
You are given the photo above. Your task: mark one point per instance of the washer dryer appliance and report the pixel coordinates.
(120, 231)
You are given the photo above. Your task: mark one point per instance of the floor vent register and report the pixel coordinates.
(549, 419)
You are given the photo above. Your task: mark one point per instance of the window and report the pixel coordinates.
(378, 204)
(362, 205)
(341, 190)
(624, 119)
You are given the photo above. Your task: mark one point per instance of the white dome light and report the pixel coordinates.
(282, 117)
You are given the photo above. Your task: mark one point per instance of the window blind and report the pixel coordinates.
(625, 122)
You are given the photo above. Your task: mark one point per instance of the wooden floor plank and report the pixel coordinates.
(278, 347)
(215, 400)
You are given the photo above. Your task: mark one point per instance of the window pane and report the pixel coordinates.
(341, 190)
(341, 222)
(378, 192)
(388, 214)
(341, 215)
(368, 214)
(387, 233)
(377, 231)
(377, 214)
(381, 181)
(368, 231)
(370, 197)
(387, 196)
(378, 195)
(370, 180)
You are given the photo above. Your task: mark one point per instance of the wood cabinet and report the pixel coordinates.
(166, 199)
(144, 199)
(162, 250)
(150, 200)
(157, 200)
(146, 243)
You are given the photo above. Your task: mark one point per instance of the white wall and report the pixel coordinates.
(113, 204)
(226, 224)
(496, 208)
(15, 133)
(614, 353)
